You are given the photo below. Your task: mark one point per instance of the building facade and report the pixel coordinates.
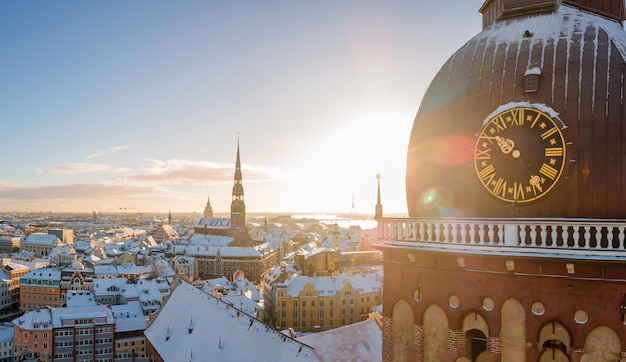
(14, 272)
(84, 333)
(313, 304)
(39, 244)
(514, 246)
(40, 288)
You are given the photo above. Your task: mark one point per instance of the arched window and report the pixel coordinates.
(476, 343)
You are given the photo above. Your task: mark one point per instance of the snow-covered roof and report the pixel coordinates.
(80, 298)
(6, 332)
(81, 245)
(327, 286)
(210, 240)
(214, 223)
(42, 318)
(127, 268)
(44, 274)
(114, 286)
(185, 330)
(362, 341)
(227, 251)
(41, 239)
(101, 314)
(129, 317)
(107, 270)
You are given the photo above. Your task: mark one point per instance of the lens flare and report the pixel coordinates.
(436, 202)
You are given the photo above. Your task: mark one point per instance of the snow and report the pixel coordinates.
(326, 286)
(567, 25)
(360, 341)
(194, 326)
(533, 71)
(41, 239)
(101, 314)
(214, 223)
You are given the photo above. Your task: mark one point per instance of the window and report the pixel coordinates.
(530, 84)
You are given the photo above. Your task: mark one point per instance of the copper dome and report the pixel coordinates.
(576, 58)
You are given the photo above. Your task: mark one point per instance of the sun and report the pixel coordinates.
(345, 162)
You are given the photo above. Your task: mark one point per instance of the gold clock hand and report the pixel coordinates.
(536, 181)
(506, 145)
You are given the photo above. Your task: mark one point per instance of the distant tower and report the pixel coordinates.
(169, 218)
(379, 207)
(208, 210)
(237, 206)
(353, 209)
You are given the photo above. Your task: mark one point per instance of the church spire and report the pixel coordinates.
(379, 207)
(237, 206)
(208, 210)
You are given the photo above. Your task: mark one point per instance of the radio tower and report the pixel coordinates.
(353, 209)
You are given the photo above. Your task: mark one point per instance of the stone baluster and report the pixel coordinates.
(533, 235)
(422, 233)
(463, 231)
(554, 235)
(501, 234)
(565, 236)
(543, 235)
(587, 237)
(437, 232)
(621, 237)
(599, 238)
(481, 234)
(453, 230)
(576, 236)
(490, 233)
(522, 235)
(427, 236)
(446, 233)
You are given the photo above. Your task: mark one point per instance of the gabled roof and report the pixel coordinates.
(362, 341)
(42, 239)
(193, 325)
(214, 223)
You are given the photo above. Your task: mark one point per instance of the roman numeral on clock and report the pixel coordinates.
(554, 152)
(548, 171)
(483, 155)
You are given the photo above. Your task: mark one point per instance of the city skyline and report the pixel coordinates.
(139, 105)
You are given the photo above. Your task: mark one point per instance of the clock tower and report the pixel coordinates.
(516, 191)
(559, 63)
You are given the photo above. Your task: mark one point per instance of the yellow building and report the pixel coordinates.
(15, 272)
(40, 288)
(310, 304)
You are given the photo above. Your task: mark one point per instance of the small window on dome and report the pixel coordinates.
(531, 80)
(531, 84)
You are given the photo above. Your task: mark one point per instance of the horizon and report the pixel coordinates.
(140, 105)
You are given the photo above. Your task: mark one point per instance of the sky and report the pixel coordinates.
(139, 105)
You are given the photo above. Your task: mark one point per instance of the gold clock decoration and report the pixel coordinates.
(519, 154)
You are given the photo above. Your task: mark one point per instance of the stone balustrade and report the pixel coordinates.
(578, 234)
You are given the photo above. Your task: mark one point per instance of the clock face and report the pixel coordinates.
(519, 155)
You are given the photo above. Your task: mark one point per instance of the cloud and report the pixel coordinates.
(181, 171)
(79, 168)
(76, 191)
(99, 153)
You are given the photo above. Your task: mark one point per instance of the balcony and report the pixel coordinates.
(565, 238)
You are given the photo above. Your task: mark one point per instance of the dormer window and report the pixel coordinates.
(531, 80)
